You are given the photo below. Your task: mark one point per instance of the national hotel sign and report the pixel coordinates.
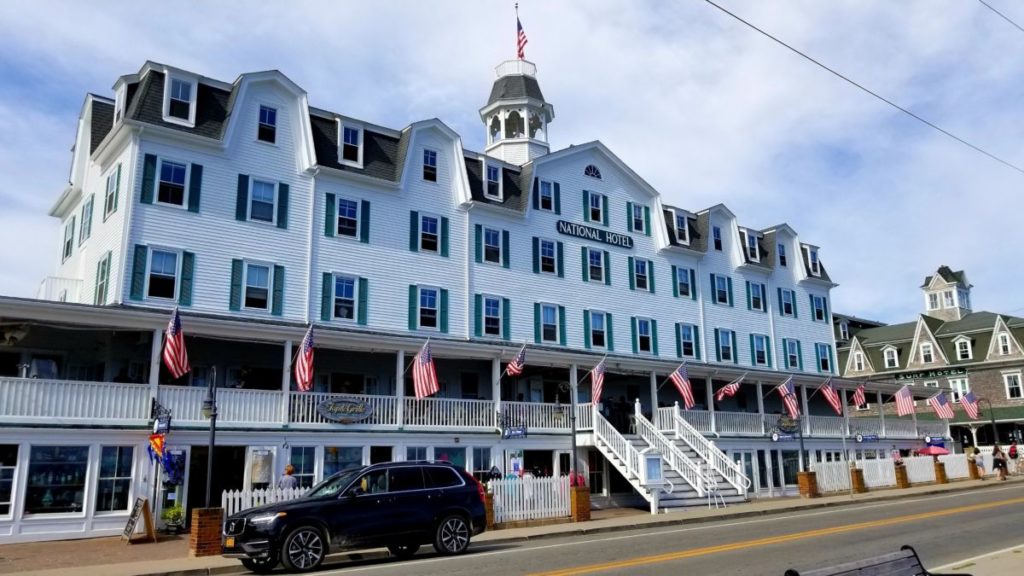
(596, 234)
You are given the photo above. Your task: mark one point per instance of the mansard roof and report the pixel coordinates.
(212, 106)
(381, 152)
(515, 87)
(805, 257)
(512, 191)
(102, 122)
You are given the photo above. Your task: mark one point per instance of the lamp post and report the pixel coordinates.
(210, 411)
(992, 420)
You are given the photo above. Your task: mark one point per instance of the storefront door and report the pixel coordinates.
(228, 474)
(745, 458)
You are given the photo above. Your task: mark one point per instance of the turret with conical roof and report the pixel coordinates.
(516, 115)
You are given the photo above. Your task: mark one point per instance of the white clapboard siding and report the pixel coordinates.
(878, 473)
(235, 501)
(832, 476)
(529, 498)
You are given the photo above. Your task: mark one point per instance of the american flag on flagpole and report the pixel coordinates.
(175, 355)
(597, 381)
(520, 40)
(970, 404)
(424, 377)
(788, 393)
(859, 397)
(942, 406)
(681, 379)
(829, 391)
(904, 401)
(515, 367)
(304, 362)
(730, 389)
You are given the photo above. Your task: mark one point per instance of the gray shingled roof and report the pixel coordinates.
(515, 87)
(764, 262)
(670, 226)
(512, 194)
(807, 266)
(211, 107)
(102, 123)
(947, 274)
(699, 239)
(380, 152)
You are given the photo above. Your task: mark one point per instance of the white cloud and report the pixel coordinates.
(701, 106)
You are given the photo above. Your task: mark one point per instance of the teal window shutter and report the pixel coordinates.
(413, 307)
(277, 306)
(148, 178)
(188, 268)
(785, 353)
(714, 292)
(106, 280)
(444, 237)
(768, 349)
(781, 311)
(607, 269)
(696, 343)
(753, 356)
(693, 284)
(800, 355)
(478, 316)
(195, 187)
(675, 281)
(117, 189)
(242, 198)
(610, 337)
(647, 220)
(629, 216)
(326, 297)
(561, 325)
(749, 306)
(536, 195)
(414, 231)
(536, 322)
(139, 272)
(364, 221)
(478, 235)
(604, 209)
(586, 329)
(444, 311)
(505, 249)
(811, 296)
(506, 318)
(718, 345)
(364, 301)
(817, 356)
(558, 199)
(735, 347)
(330, 216)
(632, 328)
(235, 301)
(586, 206)
(728, 282)
(824, 306)
(831, 361)
(650, 275)
(536, 255)
(584, 262)
(679, 340)
(282, 205)
(632, 273)
(561, 268)
(654, 336)
(795, 313)
(96, 285)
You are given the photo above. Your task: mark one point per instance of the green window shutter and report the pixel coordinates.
(610, 337)
(558, 199)
(139, 272)
(584, 260)
(506, 318)
(413, 307)
(195, 187)
(817, 357)
(330, 215)
(277, 306)
(559, 264)
(735, 347)
(632, 274)
(718, 345)
(728, 282)
(768, 349)
(117, 188)
(561, 325)
(753, 356)
(604, 210)
(282, 205)
(242, 198)
(675, 281)
(795, 314)
(364, 301)
(693, 284)
(148, 178)
(478, 235)
(749, 305)
(96, 300)
(779, 290)
(235, 301)
(326, 296)
(478, 316)
(647, 220)
(800, 355)
(632, 328)
(831, 361)
(506, 245)
(650, 275)
(586, 206)
(811, 296)
(654, 336)
(536, 255)
(785, 353)
(607, 269)
(364, 221)
(414, 231)
(536, 322)
(444, 311)
(696, 343)
(536, 195)
(714, 293)
(444, 237)
(679, 340)
(824, 307)
(629, 216)
(586, 329)
(188, 268)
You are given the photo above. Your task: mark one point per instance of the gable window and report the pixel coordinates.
(596, 203)
(688, 340)
(643, 335)
(86, 230)
(787, 306)
(595, 265)
(172, 183)
(547, 256)
(163, 274)
(180, 105)
(682, 229)
(549, 323)
(960, 386)
(351, 147)
(891, 358)
(110, 198)
(818, 308)
(933, 301)
(721, 286)
(927, 353)
(844, 330)
(428, 307)
(824, 352)
(716, 235)
(598, 330)
(757, 301)
(782, 255)
(792, 354)
(637, 216)
(262, 201)
(1012, 383)
(641, 274)
(759, 353)
(69, 239)
(947, 297)
(963, 349)
(257, 286)
(493, 182)
(428, 233)
(547, 196)
(348, 217)
(592, 171)
(345, 297)
(492, 245)
(267, 131)
(1004, 344)
(430, 165)
(812, 256)
(753, 251)
(858, 362)
(726, 346)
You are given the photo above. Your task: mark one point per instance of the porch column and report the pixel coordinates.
(913, 416)
(974, 435)
(496, 383)
(711, 402)
(881, 412)
(654, 396)
(154, 362)
(760, 406)
(286, 381)
(807, 414)
(400, 388)
(846, 421)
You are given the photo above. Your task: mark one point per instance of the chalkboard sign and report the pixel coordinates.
(140, 509)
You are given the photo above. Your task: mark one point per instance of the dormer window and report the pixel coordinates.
(812, 256)
(1004, 344)
(947, 299)
(352, 145)
(844, 330)
(753, 250)
(716, 235)
(592, 171)
(891, 358)
(682, 229)
(180, 101)
(267, 131)
(927, 353)
(782, 255)
(965, 300)
(933, 301)
(430, 165)
(493, 189)
(963, 349)
(119, 104)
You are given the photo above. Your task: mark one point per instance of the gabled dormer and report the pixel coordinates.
(925, 352)
(1004, 345)
(963, 348)
(947, 294)
(890, 357)
(813, 268)
(752, 244)
(857, 362)
(180, 97)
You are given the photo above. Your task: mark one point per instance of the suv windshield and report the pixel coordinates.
(334, 484)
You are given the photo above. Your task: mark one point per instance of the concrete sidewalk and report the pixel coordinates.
(1007, 562)
(110, 557)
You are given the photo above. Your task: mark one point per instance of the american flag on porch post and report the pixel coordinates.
(942, 407)
(829, 391)
(424, 377)
(515, 367)
(788, 393)
(304, 362)
(175, 355)
(681, 379)
(859, 397)
(730, 389)
(970, 404)
(904, 401)
(597, 382)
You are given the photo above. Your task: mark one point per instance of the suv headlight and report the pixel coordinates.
(266, 518)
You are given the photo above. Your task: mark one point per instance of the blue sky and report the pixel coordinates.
(705, 109)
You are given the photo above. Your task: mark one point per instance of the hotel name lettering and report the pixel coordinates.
(596, 234)
(924, 375)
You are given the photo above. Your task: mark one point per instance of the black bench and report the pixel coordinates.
(902, 563)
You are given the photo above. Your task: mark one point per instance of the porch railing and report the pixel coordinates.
(585, 416)
(900, 428)
(62, 399)
(302, 408)
(826, 426)
(706, 449)
(676, 458)
(436, 413)
(534, 415)
(738, 423)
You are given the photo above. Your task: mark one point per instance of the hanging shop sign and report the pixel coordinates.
(788, 425)
(595, 234)
(926, 374)
(513, 432)
(344, 410)
(866, 437)
(778, 437)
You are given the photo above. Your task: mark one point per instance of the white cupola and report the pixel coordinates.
(516, 116)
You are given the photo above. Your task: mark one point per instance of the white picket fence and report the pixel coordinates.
(878, 473)
(237, 500)
(832, 476)
(956, 465)
(530, 498)
(920, 469)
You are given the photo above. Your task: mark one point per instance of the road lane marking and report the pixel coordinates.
(1018, 548)
(707, 550)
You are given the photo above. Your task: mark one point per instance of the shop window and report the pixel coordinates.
(455, 456)
(416, 453)
(56, 479)
(482, 464)
(8, 469)
(303, 459)
(115, 481)
(341, 458)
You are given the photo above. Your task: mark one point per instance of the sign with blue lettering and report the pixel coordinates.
(866, 437)
(595, 234)
(513, 432)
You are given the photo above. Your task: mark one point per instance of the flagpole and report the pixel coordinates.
(818, 389)
(846, 430)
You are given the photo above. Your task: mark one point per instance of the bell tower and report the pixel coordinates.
(516, 116)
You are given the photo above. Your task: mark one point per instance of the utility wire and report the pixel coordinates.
(1001, 15)
(868, 90)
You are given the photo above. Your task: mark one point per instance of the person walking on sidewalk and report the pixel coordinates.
(288, 480)
(999, 462)
(1013, 454)
(979, 461)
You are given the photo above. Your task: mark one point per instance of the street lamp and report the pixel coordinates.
(209, 410)
(992, 419)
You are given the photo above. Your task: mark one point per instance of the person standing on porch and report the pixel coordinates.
(288, 480)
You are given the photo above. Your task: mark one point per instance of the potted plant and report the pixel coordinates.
(174, 519)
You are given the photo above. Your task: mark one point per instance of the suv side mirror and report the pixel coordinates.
(355, 491)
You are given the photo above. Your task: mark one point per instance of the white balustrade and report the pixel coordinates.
(878, 473)
(866, 426)
(676, 459)
(530, 498)
(664, 419)
(585, 416)
(827, 426)
(618, 445)
(895, 428)
(738, 423)
(249, 406)
(537, 415)
(933, 429)
(302, 408)
(832, 476)
(435, 413)
(185, 403)
(719, 462)
(699, 419)
(65, 399)
(235, 501)
(920, 469)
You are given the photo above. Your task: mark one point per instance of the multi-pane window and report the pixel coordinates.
(752, 249)
(963, 350)
(492, 316)
(960, 386)
(115, 479)
(933, 301)
(344, 297)
(1004, 344)
(163, 274)
(429, 233)
(172, 183)
(596, 210)
(824, 357)
(428, 308)
(757, 297)
(716, 236)
(547, 196)
(261, 204)
(69, 239)
(86, 229)
(102, 280)
(430, 165)
(595, 265)
(181, 99)
(643, 335)
(549, 322)
(638, 218)
(788, 305)
(947, 298)
(760, 351)
(782, 255)
(415, 453)
(891, 358)
(688, 340)
(303, 459)
(792, 354)
(641, 274)
(818, 308)
(927, 353)
(493, 182)
(683, 285)
(348, 217)
(482, 463)
(1012, 383)
(965, 299)
(350, 140)
(110, 199)
(257, 286)
(547, 256)
(815, 264)
(844, 330)
(492, 245)
(267, 130)
(726, 346)
(858, 362)
(8, 467)
(721, 290)
(682, 229)
(598, 330)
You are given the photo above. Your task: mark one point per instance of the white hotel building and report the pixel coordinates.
(257, 214)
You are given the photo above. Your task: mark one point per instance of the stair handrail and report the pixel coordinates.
(713, 455)
(676, 458)
(618, 444)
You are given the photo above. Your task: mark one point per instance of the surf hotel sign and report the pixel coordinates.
(595, 234)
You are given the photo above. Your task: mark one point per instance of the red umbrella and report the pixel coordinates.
(933, 451)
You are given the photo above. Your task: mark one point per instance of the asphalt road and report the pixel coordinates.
(943, 529)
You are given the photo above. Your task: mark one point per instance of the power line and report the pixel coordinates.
(1001, 15)
(868, 90)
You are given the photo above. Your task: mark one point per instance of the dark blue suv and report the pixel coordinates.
(400, 505)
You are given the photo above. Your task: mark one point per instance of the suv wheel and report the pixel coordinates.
(303, 550)
(403, 551)
(452, 536)
(260, 565)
